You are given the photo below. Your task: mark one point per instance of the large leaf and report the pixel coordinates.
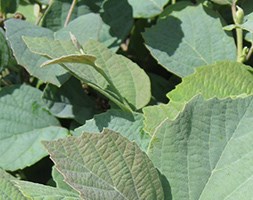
(7, 188)
(127, 124)
(147, 8)
(42, 192)
(109, 26)
(57, 12)
(70, 101)
(206, 153)
(223, 79)
(24, 123)
(183, 40)
(115, 76)
(106, 166)
(15, 30)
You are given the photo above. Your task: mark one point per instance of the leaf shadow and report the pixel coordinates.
(165, 36)
(102, 122)
(119, 16)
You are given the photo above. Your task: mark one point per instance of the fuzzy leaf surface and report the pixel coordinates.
(209, 145)
(189, 38)
(8, 190)
(127, 124)
(222, 79)
(24, 123)
(42, 192)
(106, 166)
(113, 75)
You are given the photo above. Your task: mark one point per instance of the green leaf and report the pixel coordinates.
(155, 115)
(24, 123)
(109, 26)
(56, 14)
(247, 6)
(118, 168)
(127, 124)
(28, 10)
(43, 192)
(248, 24)
(147, 8)
(217, 80)
(70, 101)
(59, 180)
(7, 189)
(8, 6)
(115, 76)
(249, 37)
(4, 50)
(206, 153)
(189, 38)
(15, 30)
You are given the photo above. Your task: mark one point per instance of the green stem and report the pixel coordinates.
(239, 35)
(70, 12)
(173, 1)
(239, 41)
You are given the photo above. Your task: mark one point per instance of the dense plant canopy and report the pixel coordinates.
(129, 99)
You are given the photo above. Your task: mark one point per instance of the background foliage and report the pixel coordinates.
(109, 99)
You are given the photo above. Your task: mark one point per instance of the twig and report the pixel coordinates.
(71, 9)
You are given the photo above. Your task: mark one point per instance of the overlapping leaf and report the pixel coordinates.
(70, 101)
(109, 26)
(42, 192)
(15, 30)
(115, 76)
(56, 14)
(7, 188)
(111, 167)
(223, 79)
(189, 38)
(24, 123)
(206, 153)
(147, 8)
(127, 124)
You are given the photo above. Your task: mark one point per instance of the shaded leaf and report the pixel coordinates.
(147, 8)
(15, 30)
(24, 123)
(118, 168)
(56, 14)
(127, 124)
(208, 146)
(189, 38)
(109, 26)
(70, 101)
(8, 6)
(4, 50)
